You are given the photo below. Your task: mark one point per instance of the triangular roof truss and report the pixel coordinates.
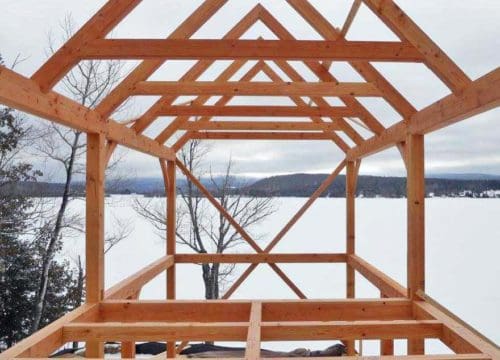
(404, 312)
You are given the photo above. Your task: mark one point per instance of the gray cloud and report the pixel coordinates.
(467, 31)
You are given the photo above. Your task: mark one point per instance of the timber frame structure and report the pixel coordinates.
(116, 314)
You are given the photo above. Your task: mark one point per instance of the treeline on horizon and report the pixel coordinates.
(294, 185)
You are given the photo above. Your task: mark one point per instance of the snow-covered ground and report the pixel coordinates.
(463, 244)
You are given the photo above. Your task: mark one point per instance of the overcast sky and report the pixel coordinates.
(468, 31)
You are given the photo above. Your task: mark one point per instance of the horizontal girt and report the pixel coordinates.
(260, 125)
(260, 258)
(255, 111)
(249, 49)
(237, 331)
(239, 88)
(248, 135)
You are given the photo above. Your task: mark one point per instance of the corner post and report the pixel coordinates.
(416, 224)
(94, 235)
(169, 177)
(352, 169)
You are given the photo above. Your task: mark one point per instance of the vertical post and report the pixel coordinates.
(351, 180)
(416, 224)
(128, 347)
(386, 346)
(94, 243)
(168, 169)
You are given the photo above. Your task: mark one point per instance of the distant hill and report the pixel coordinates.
(296, 185)
(368, 186)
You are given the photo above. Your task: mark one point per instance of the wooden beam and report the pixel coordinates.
(247, 135)
(45, 341)
(435, 58)
(415, 214)
(249, 49)
(481, 95)
(237, 226)
(199, 68)
(259, 258)
(169, 177)
(352, 169)
(364, 68)
(259, 126)
(415, 225)
(173, 126)
(457, 334)
(129, 286)
(272, 310)
(237, 331)
(383, 282)
(255, 111)
(97, 27)
(94, 229)
(317, 120)
(24, 94)
(338, 310)
(320, 71)
(350, 17)
(252, 351)
(319, 191)
(260, 88)
(148, 67)
(175, 311)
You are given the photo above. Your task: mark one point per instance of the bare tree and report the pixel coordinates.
(202, 230)
(87, 84)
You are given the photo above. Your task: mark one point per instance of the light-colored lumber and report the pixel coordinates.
(457, 334)
(383, 282)
(23, 94)
(147, 68)
(319, 191)
(237, 226)
(94, 229)
(352, 169)
(350, 17)
(257, 88)
(299, 101)
(415, 215)
(435, 58)
(246, 135)
(255, 111)
(129, 286)
(320, 71)
(272, 310)
(259, 126)
(479, 96)
(237, 331)
(130, 49)
(47, 340)
(319, 22)
(252, 351)
(259, 258)
(172, 127)
(169, 176)
(97, 27)
(201, 66)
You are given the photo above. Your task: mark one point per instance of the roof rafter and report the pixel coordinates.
(97, 27)
(435, 58)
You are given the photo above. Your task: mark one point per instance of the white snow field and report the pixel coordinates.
(462, 266)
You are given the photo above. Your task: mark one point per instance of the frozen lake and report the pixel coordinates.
(462, 266)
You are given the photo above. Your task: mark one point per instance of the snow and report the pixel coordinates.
(462, 266)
